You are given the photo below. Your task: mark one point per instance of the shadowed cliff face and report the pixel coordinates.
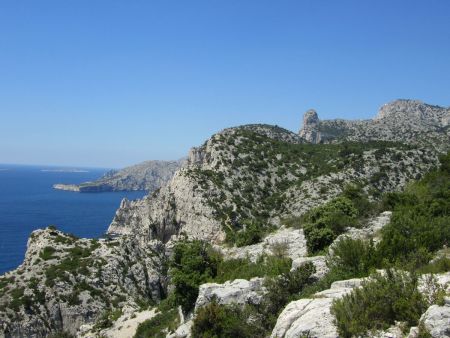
(409, 121)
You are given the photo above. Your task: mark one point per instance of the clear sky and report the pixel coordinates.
(112, 83)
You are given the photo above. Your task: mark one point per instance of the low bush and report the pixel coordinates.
(283, 289)
(243, 268)
(193, 263)
(214, 320)
(324, 223)
(379, 303)
(158, 326)
(47, 253)
(252, 234)
(353, 257)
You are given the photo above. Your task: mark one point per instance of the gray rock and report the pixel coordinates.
(437, 320)
(409, 121)
(239, 291)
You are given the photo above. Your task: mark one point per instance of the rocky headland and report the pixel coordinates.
(148, 176)
(252, 195)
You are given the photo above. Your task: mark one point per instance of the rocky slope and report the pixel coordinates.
(65, 282)
(148, 175)
(401, 120)
(263, 174)
(250, 175)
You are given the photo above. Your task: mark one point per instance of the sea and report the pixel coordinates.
(28, 202)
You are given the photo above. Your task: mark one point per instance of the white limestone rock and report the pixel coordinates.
(239, 291)
(319, 263)
(312, 315)
(437, 320)
(291, 241)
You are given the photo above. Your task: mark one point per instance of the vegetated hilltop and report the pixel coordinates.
(148, 175)
(256, 207)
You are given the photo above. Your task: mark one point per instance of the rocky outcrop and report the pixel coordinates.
(239, 291)
(309, 130)
(149, 176)
(67, 187)
(312, 317)
(436, 320)
(65, 282)
(409, 121)
(124, 327)
(288, 242)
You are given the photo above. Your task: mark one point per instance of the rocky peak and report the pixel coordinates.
(411, 109)
(310, 118)
(309, 129)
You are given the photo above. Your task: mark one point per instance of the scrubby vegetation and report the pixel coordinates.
(158, 327)
(323, 224)
(381, 301)
(255, 320)
(193, 263)
(420, 226)
(214, 320)
(265, 168)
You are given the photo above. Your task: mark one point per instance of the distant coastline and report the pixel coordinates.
(65, 170)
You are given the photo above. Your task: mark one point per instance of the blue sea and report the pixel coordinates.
(28, 202)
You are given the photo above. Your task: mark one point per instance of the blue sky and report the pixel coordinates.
(112, 83)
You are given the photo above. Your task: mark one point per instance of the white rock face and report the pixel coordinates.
(239, 291)
(370, 231)
(291, 241)
(312, 315)
(437, 320)
(309, 129)
(306, 316)
(319, 263)
(123, 327)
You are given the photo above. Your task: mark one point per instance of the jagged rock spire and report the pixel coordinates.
(310, 127)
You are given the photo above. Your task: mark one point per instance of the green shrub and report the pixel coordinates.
(284, 288)
(214, 320)
(324, 223)
(158, 326)
(252, 234)
(379, 303)
(420, 221)
(243, 268)
(107, 319)
(439, 265)
(318, 238)
(47, 253)
(193, 263)
(353, 257)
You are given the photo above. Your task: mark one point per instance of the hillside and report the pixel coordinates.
(259, 223)
(148, 175)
